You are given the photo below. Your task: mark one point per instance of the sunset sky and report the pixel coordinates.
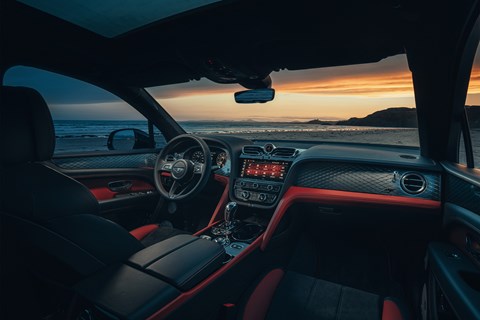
(325, 93)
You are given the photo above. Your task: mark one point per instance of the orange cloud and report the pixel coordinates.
(393, 84)
(474, 85)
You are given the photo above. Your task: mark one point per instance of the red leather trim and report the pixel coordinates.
(391, 311)
(217, 214)
(199, 232)
(102, 193)
(99, 187)
(165, 174)
(346, 198)
(260, 299)
(142, 232)
(182, 298)
(139, 185)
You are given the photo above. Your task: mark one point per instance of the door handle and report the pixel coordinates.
(119, 186)
(475, 190)
(473, 246)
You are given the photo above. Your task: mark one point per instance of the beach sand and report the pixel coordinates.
(405, 137)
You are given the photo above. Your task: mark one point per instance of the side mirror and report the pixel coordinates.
(129, 139)
(255, 96)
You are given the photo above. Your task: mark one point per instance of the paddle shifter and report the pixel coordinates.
(229, 213)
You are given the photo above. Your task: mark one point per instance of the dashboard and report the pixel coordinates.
(260, 173)
(264, 173)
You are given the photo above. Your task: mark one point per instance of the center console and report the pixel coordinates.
(262, 174)
(234, 235)
(154, 277)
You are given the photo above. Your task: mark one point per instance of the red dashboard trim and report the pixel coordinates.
(200, 232)
(335, 197)
(185, 296)
(217, 214)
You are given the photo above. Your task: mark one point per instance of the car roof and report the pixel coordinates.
(227, 42)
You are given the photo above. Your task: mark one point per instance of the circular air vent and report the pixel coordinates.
(413, 183)
(268, 147)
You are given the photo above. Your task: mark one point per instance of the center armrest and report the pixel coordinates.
(183, 260)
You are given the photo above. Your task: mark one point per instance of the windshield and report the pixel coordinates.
(367, 103)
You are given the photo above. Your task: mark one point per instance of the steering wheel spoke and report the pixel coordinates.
(166, 166)
(198, 168)
(172, 193)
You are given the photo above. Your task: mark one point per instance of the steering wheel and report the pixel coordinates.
(189, 177)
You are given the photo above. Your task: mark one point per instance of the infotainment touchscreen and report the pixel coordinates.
(264, 169)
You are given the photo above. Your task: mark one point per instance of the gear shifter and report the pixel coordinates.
(225, 228)
(229, 213)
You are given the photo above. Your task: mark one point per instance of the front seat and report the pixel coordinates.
(283, 294)
(47, 208)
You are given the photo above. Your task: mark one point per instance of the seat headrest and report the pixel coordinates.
(26, 127)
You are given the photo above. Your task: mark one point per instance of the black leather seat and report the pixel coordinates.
(289, 295)
(49, 209)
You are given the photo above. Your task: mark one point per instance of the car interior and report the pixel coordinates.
(170, 223)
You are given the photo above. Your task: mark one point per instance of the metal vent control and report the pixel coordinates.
(413, 183)
(253, 150)
(284, 152)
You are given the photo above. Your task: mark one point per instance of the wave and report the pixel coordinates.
(75, 129)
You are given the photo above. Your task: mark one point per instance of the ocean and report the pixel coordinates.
(75, 136)
(102, 128)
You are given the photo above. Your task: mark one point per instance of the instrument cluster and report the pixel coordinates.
(220, 157)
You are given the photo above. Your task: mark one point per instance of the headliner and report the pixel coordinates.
(229, 42)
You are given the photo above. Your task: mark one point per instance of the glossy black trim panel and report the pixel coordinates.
(460, 171)
(454, 213)
(456, 276)
(366, 178)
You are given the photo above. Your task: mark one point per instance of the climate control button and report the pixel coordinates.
(245, 194)
(262, 197)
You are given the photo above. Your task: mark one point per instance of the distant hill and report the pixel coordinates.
(391, 117)
(397, 118)
(473, 113)
(318, 121)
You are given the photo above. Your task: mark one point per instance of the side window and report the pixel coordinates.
(85, 116)
(472, 110)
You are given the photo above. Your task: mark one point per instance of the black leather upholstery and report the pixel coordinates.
(26, 128)
(182, 261)
(35, 191)
(47, 208)
(126, 292)
(54, 212)
(147, 256)
(30, 189)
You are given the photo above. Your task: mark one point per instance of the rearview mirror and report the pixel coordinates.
(255, 96)
(129, 139)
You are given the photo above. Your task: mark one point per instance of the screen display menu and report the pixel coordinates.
(266, 170)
